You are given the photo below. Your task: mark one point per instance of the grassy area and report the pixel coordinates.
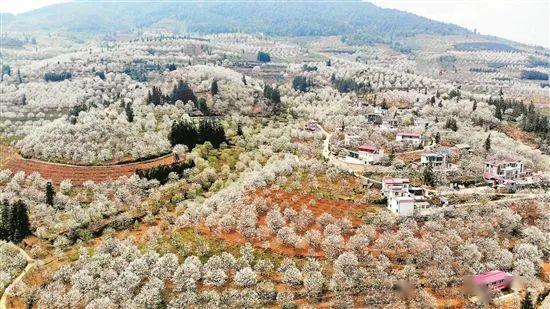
(343, 187)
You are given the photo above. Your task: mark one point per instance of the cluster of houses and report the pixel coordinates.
(371, 154)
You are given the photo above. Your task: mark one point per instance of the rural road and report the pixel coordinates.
(30, 264)
(331, 159)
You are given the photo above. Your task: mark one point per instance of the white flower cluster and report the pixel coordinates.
(97, 136)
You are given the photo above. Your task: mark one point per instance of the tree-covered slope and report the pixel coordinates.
(357, 20)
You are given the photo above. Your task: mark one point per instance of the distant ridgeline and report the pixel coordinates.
(492, 46)
(358, 22)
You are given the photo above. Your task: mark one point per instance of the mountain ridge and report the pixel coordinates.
(271, 18)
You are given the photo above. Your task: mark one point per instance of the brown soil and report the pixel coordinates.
(520, 135)
(338, 209)
(409, 157)
(78, 174)
(546, 271)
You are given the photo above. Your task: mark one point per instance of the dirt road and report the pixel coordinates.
(30, 264)
(78, 174)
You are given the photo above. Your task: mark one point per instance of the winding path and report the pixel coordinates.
(331, 159)
(30, 264)
(78, 174)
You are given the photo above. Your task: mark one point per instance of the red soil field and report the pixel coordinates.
(78, 174)
(338, 209)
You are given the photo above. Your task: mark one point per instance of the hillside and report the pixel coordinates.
(282, 19)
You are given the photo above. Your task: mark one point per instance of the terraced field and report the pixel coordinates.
(78, 174)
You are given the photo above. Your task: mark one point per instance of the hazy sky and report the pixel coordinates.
(526, 21)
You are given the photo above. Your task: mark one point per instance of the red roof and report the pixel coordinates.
(413, 134)
(491, 276)
(369, 148)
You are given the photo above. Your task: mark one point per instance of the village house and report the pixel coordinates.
(463, 148)
(400, 201)
(438, 160)
(351, 140)
(366, 154)
(434, 159)
(389, 125)
(369, 153)
(502, 171)
(489, 283)
(375, 119)
(421, 125)
(404, 199)
(394, 185)
(409, 137)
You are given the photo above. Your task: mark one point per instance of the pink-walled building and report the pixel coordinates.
(493, 281)
(500, 171)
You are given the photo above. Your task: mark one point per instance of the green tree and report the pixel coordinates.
(214, 88)
(437, 138)
(474, 106)
(182, 92)
(451, 124)
(239, 130)
(300, 83)
(391, 156)
(202, 106)
(428, 175)
(184, 133)
(527, 302)
(274, 96)
(129, 112)
(19, 79)
(14, 221)
(488, 143)
(263, 57)
(50, 193)
(498, 113)
(6, 69)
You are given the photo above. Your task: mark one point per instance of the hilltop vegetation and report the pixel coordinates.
(353, 19)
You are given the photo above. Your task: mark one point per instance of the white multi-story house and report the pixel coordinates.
(500, 171)
(351, 140)
(435, 159)
(401, 205)
(403, 199)
(389, 125)
(390, 185)
(400, 201)
(409, 137)
(369, 153)
(365, 154)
